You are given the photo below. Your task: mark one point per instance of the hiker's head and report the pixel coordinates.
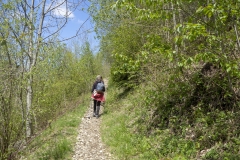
(99, 78)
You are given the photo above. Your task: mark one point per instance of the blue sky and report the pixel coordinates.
(79, 18)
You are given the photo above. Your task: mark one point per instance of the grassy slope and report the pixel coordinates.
(124, 118)
(57, 142)
(118, 128)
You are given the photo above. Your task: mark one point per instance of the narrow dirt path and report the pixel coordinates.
(89, 145)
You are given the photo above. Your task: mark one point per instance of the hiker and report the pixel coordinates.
(98, 90)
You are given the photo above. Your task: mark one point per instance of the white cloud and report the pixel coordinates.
(62, 11)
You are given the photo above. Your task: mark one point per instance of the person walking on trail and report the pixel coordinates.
(98, 90)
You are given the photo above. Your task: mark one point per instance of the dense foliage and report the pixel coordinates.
(60, 76)
(182, 57)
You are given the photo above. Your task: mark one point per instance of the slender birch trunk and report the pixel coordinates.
(33, 54)
(236, 32)
(174, 25)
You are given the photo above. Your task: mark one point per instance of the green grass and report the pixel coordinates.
(56, 152)
(119, 132)
(57, 142)
(116, 131)
(123, 143)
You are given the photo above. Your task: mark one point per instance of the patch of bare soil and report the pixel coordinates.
(89, 145)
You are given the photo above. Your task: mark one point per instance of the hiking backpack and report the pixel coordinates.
(100, 87)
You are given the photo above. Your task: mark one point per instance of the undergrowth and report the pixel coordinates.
(58, 140)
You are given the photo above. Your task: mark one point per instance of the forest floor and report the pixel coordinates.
(89, 145)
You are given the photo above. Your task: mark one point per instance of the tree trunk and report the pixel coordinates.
(174, 26)
(28, 108)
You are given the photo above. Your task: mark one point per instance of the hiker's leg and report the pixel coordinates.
(94, 107)
(98, 108)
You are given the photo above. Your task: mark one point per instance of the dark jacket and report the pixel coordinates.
(95, 86)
